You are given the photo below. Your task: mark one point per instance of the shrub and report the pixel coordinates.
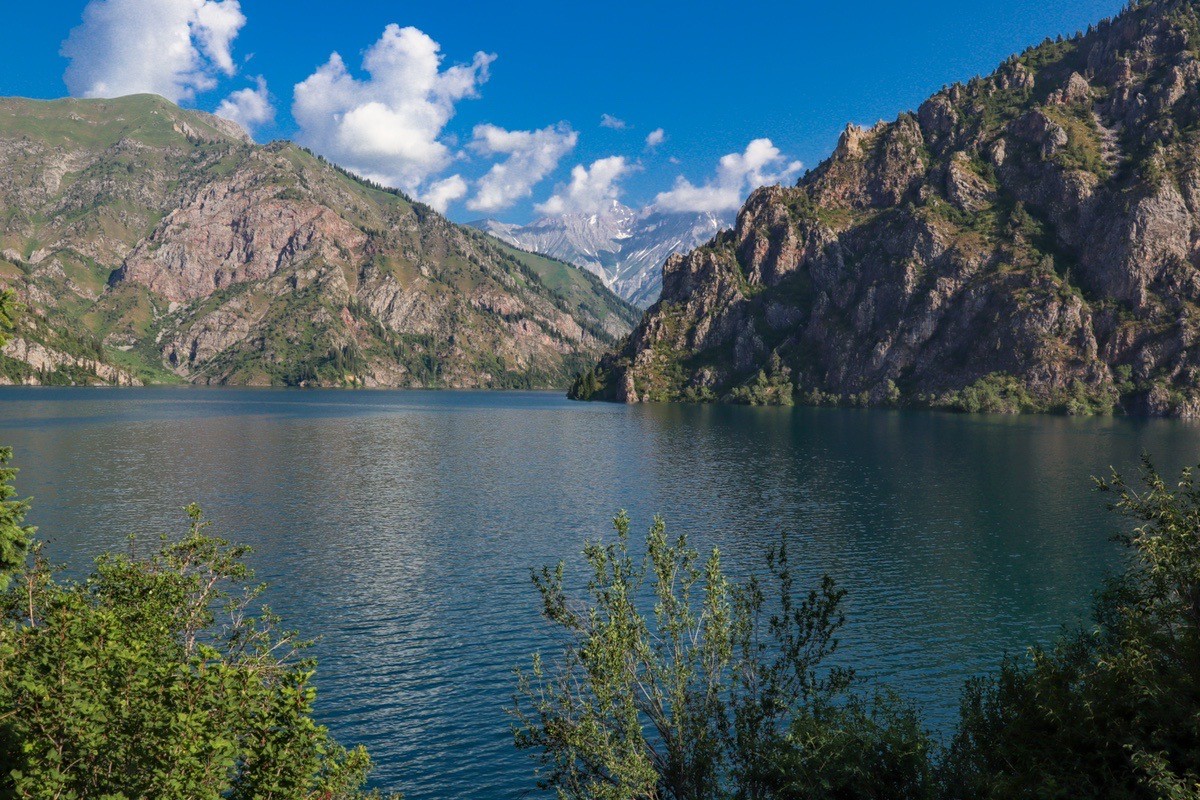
(722, 691)
(126, 685)
(1113, 712)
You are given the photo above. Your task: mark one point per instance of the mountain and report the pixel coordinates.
(153, 243)
(1028, 241)
(625, 248)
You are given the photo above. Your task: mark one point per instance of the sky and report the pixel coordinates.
(514, 110)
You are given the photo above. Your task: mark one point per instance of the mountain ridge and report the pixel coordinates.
(625, 247)
(163, 243)
(1027, 241)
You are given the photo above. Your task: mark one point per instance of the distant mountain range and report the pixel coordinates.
(149, 243)
(624, 247)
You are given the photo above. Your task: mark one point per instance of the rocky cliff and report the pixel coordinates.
(152, 243)
(1025, 241)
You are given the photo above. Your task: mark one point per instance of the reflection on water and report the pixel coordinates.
(400, 528)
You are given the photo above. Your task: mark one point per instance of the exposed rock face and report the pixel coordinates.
(163, 238)
(43, 361)
(237, 231)
(1027, 241)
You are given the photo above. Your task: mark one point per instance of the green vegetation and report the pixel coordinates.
(993, 394)
(1113, 712)
(8, 314)
(15, 537)
(1000, 393)
(1083, 149)
(589, 384)
(158, 676)
(104, 123)
(79, 352)
(724, 690)
(127, 686)
(576, 287)
(770, 387)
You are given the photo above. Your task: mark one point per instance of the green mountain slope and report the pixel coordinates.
(153, 243)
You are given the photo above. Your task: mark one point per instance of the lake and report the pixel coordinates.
(400, 528)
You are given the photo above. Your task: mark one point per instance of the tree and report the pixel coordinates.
(15, 537)
(156, 677)
(1113, 712)
(711, 694)
(8, 314)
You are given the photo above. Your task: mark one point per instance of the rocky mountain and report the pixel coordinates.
(624, 247)
(1025, 241)
(152, 243)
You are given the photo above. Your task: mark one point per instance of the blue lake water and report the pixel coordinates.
(400, 528)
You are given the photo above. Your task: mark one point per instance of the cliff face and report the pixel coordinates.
(1026, 241)
(164, 244)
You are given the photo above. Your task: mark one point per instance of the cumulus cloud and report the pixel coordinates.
(761, 164)
(531, 156)
(250, 108)
(590, 189)
(388, 126)
(609, 121)
(444, 192)
(655, 138)
(174, 48)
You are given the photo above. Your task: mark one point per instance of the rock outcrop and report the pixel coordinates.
(43, 362)
(164, 241)
(1025, 241)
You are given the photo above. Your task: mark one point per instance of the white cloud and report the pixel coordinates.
(532, 155)
(249, 108)
(174, 48)
(444, 192)
(590, 189)
(761, 164)
(387, 127)
(655, 138)
(609, 121)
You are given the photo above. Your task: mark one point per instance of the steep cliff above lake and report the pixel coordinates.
(1024, 241)
(153, 243)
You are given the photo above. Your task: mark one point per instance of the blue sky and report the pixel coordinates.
(509, 124)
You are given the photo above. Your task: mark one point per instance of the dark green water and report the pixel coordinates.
(400, 528)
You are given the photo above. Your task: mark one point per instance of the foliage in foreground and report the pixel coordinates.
(719, 691)
(15, 537)
(154, 678)
(1113, 712)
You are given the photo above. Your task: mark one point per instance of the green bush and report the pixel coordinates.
(996, 393)
(1113, 712)
(722, 691)
(855, 750)
(126, 685)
